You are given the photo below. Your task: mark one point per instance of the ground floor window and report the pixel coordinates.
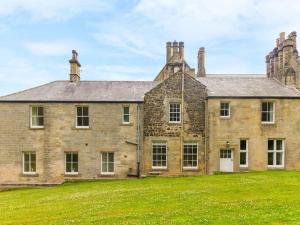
(29, 162)
(107, 163)
(275, 153)
(71, 162)
(190, 155)
(243, 153)
(159, 155)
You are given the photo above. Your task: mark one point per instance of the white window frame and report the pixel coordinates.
(29, 172)
(221, 109)
(244, 151)
(31, 116)
(159, 167)
(273, 113)
(125, 114)
(72, 172)
(174, 103)
(76, 119)
(104, 172)
(274, 151)
(190, 167)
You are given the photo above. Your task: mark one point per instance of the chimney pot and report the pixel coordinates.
(169, 51)
(181, 49)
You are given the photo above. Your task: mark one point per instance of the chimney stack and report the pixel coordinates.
(201, 62)
(169, 51)
(74, 67)
(181, 49)
(175, 47)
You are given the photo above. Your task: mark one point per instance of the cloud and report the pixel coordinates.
(54, 9)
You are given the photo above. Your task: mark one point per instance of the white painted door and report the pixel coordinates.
(226, 160)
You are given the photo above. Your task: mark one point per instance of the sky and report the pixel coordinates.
(125, 39)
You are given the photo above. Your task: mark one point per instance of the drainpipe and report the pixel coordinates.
(182, 118)
(138, 140)
(206, 131)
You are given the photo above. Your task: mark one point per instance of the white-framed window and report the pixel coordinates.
(126, 114)
(71, 162)
(82, 116)
(268, 112)
(244, 152)
(174, 113)
(107, 163)
(224, 109)
(29, 162)
(190, 155)
(159, 155)
(36, 116)
(275, 153)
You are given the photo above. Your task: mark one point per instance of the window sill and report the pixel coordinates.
(225, 117)
(82, 128)
(275, 167)
(126, 124)
(71, 174)
(107, 174)
(268, 123)
(29, 174)
(37, 128)
(194, 169)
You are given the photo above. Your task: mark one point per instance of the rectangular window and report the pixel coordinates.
(71, 162)
(174, 113)
(275, 153)
(29, 162)
(190, 155)
(224, 109)
(82, 117)
(37, 117)
(107, 163)
(126, 115)
(243, 153)
(159, 155)
(268, 112)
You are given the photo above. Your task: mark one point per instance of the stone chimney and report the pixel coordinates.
(74, 67)
(201, 62)
(169, 51)
(181, 49)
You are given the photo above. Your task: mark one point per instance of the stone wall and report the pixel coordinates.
(106, 133)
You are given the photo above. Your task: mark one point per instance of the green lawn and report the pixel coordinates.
(245, 198)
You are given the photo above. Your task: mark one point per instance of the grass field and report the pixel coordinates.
(246, 198)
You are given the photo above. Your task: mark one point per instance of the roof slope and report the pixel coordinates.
(247, 86)
(85, 91)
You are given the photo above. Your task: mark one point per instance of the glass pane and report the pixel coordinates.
(85, 111)
(126, 118)
(34, 121)
(79, 121)
(79, 111)
(68, 167)
(126, 110)
(85, 121)
(26, 157)
(264, 117)
(75, 167)
(243, 160)
(40, 111)
(270, 144)
(111, 167)
(270, 105)
(104, 157)
(111, 157)
(34, 111)
(32, 155)
(75, 157)
(264, 106)
(279, 145)
(33, 167)
(26, 167)
(40, 121)
(68, 157)
(279, 159)
(270, 158)
(243, 145)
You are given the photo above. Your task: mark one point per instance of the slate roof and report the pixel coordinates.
(247, 86)
(84, 91)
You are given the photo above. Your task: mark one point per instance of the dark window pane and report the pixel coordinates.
(41, 121)
(79, 111)
(243, 144)
(68, 157)
(26, 167)
(243, 159)
(270, 144)
(264, 106)
(75, 157)
(34, 111)
(264, 117)
(75, 167)
(68, 167)
(126, 118)
(126, 110)
(111, 157)
(279, 159)
(79, 121)
(33, 168)
(279, 145)
(85, 111)
(111, 167)
(270, 158)
(85, 121)
(40, 111)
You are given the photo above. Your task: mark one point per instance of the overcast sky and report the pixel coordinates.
(125, 40)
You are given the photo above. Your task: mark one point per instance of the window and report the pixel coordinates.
(224, 109)
(71, 162)
(159, 155)
(243, 153)
(37, 117)
(225, 154)
(174, 116)
(82, 120)
(190, 155)
(29, 163)
(268, 112)
(275, 153)
(126, 114)
(107, 163)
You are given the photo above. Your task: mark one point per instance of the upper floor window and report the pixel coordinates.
(71, 163)
(126, 114)
(159, 155)
(37, 117)
(268, 112)
(224, 109)
(174, 113)
(82, 117)
(190, 155)
(29, 162)
(243, 153)
(107, 163)
(275, 153)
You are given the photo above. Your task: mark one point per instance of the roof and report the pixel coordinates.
(84, 91)
(246, 86)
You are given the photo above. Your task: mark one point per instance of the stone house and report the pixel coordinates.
(182, 123)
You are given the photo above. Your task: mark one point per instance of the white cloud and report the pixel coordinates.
(54, 9)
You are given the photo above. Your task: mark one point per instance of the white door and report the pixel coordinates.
(226, 160)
